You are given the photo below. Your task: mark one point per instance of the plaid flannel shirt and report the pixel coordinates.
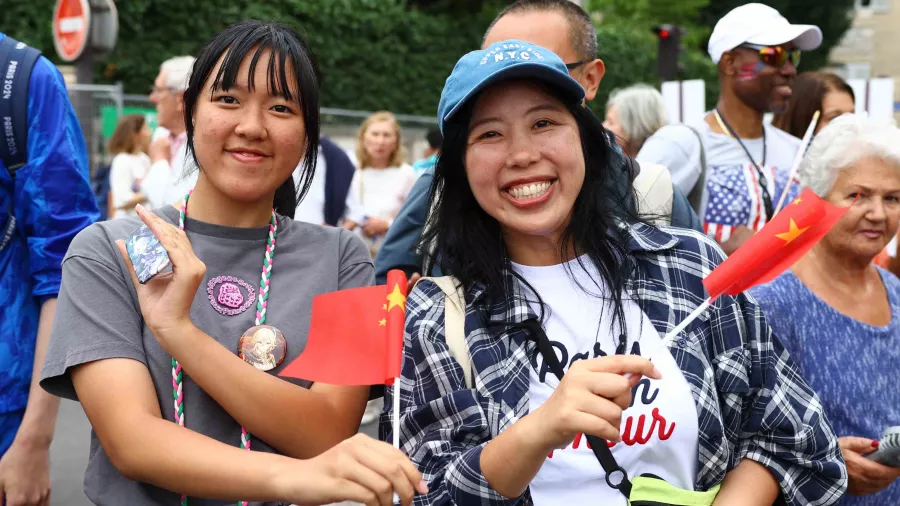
(751, 401)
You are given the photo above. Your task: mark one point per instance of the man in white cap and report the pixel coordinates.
(739, 169)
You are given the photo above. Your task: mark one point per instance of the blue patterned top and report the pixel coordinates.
(851, 365)
(53, 202)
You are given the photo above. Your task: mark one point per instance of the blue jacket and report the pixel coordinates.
(398, 249)
(53, 202)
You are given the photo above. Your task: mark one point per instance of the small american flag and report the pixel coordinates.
(734, 197)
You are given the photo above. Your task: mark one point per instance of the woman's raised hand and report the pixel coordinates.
(166, 299)
(590, 399)
(866, 476)
(358, 469)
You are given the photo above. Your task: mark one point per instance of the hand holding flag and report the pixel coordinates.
(356, 338)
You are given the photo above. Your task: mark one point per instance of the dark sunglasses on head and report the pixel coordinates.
(575, 65)
(775, 56)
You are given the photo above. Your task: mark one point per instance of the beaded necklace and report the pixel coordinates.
(262, 301)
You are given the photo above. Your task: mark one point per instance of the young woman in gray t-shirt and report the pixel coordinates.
(201, 346)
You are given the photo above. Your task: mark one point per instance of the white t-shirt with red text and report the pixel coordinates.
(659, 430)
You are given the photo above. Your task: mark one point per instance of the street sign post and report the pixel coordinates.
(71, 28)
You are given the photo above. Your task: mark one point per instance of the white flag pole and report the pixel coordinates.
(807, 137)
(677, 330)
(395, 422)
(396, 417)
(687, 321)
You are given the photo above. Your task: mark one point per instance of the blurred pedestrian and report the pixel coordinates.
(383, 178)
(566, 29)
(130, 164)
(329, 197)
(633, 114)
(45, 200)
(815, 91)
(429, 157)
(747, 161)
(839, 315)
(170, 175)
(129, 350)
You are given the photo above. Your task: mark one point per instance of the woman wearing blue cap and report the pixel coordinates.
(515, 397)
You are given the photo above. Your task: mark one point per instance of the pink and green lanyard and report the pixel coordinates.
(262, 300)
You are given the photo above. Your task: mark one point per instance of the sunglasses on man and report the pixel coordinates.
(775, 56)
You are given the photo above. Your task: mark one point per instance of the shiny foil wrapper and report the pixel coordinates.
(148, 256)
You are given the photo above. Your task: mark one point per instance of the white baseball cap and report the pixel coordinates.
(759, 24)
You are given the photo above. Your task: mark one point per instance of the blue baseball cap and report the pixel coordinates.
(501, 61)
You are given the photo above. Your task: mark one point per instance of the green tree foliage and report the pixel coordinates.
(374, 54)
(630, 58)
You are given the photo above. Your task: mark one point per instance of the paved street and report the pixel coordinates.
(69, 455)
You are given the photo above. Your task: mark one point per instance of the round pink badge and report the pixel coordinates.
(226, 295)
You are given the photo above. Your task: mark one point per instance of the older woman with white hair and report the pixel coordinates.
(836, 312)
(633, 114)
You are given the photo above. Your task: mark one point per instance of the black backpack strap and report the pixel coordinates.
(16, 62)
(598, 446)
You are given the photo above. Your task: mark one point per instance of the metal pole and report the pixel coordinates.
(84, 102)
(119, 97)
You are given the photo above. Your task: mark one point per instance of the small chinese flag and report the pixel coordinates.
(355, 336)
(790, 234)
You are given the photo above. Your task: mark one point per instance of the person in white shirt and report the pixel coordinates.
(746, 161)
(383, 180)
(171, 174)
(130, 165)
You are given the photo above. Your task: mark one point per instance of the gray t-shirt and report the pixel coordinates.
(98, 317)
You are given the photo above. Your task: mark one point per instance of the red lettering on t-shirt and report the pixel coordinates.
(634, 434)
(659, 424)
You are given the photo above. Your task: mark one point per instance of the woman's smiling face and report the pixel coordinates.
(248, 139)
(524, 160)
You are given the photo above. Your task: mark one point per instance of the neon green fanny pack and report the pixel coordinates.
(649, 490)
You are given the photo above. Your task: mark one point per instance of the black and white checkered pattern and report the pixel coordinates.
(751, 401)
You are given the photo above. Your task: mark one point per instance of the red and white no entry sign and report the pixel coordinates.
(71, 28)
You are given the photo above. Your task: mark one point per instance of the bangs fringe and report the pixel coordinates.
(262, 38)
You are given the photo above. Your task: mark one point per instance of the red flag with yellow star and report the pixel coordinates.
(790, 234)
(355, 336)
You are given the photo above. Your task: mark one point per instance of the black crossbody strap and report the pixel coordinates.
(598, 445)
(763, 180)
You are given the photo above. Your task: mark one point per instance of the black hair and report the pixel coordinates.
(470, 242)
(582, 34)
(235, 43)
(434, 138)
